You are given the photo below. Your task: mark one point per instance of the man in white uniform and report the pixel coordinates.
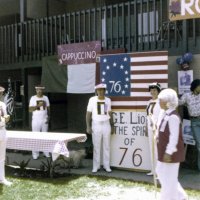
(40, 107)
(4, 118)
(99, 122)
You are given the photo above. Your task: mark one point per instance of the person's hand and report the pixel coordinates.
(155, 137)
(89, 130)
(167, 158)
(7, 118)
(47, 120)
(146, 131)
(112, 129)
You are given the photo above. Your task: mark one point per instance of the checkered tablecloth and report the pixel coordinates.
(56, 143)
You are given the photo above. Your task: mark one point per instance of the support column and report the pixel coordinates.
(25, 115)
(185, 36)
(23, 10)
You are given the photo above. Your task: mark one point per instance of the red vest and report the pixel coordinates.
(179, 155)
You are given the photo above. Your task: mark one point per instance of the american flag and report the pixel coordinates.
(128, 76)
(9, 99)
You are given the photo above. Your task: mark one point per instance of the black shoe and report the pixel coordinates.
(107, 169)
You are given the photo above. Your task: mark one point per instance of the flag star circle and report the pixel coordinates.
(104, 60)
(126, 72)
(103, 79)
(114, 64)
(107, 67)
(127, 79)
(123, 92)
(104, 73)
(126, 86)
(121, 66)
(125, 59)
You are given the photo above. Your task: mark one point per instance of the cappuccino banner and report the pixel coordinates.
(79, 53)
(184, 9)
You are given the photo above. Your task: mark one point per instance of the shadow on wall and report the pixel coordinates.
(77, 106)
(68, 112)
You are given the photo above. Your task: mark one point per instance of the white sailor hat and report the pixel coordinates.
(2, 89)
(155, 85)
(39, 87)
(101, 85)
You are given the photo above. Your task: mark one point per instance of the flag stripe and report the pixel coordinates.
(144, 85)
(129, 98)
(149, 67)
(134, 107)
(146, 67)
(149, 76)
(153, 58)
(140, 94)
(148, 81)
(140, 89)
(147, 63)
(149, 72)
(129, 103)
(150, 53)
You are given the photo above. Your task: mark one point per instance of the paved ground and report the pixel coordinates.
(189, 179)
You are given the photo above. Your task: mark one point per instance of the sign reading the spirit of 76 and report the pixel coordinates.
(129, 144)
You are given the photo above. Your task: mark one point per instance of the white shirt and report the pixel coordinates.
(153, 108)
(3, 112)
(41, 113)
(99, 108)
(192, 102)
(174, 124)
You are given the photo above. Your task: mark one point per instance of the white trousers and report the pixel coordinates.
(39, 125)
(101, 132)
(170, 186)
(153, 149)
(2, 153)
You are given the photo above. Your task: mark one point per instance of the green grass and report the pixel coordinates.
(72, 186)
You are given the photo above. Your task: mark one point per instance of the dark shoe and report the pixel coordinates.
(107, 169)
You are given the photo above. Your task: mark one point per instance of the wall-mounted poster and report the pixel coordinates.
(184, 80)
(187, 132)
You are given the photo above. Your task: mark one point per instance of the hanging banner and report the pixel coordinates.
(79, 53)
(184, 9)
(73, 70)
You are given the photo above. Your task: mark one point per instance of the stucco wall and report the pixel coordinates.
(9, 7)
(38, 8)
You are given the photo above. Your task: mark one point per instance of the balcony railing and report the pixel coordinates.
(135, 26)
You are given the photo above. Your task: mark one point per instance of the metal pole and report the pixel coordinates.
(23, 9)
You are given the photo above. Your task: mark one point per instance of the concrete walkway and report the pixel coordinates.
(189, 179)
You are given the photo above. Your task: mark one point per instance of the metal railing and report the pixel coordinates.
(135, 26)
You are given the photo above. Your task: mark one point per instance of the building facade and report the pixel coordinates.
(31, 30)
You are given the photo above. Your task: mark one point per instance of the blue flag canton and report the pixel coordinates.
(115, 73)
